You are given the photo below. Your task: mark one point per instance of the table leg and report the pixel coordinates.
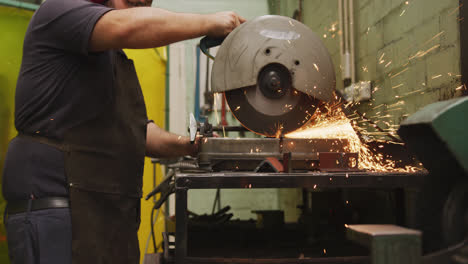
(181, 226)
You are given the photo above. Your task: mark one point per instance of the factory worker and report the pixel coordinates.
(73, 176)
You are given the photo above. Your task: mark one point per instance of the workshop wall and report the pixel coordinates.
(13, 24)
(410, 50)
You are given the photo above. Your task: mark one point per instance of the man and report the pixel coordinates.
(73, 176)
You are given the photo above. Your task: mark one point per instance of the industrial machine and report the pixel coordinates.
(277, 76)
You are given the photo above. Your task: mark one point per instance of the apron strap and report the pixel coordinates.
(45, 140)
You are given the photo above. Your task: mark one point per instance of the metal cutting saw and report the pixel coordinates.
(274, 72)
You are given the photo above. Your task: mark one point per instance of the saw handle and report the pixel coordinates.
(208, 42)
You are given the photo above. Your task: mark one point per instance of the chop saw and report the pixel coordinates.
(274, 72)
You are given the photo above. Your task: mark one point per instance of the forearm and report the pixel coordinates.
(146, 27)
(162, 144)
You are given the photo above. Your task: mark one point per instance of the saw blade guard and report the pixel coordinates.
(271, 40)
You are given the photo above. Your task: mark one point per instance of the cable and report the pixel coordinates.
(152, 228)
(151, 234)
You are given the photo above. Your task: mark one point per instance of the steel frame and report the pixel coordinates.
(313, 180)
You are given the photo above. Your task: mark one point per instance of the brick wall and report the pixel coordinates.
(410, 50)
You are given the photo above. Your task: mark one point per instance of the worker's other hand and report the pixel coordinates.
(222, 23)
(194, 148)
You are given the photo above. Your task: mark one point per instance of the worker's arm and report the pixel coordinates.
(147, 27)
(163, 144)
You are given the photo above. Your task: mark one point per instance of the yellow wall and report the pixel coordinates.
(151, 70)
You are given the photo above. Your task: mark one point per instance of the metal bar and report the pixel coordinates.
(181, 226)
(239, 180)
(351, 41)
(197, 85)
(19, 4)
(463, 12)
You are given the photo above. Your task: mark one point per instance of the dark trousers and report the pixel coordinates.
(38, 237)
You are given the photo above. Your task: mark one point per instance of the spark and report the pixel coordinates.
(336, 125)
(395, 75)
(402, 13)
(316, 67)
(386, 65)
(396, 104)
(459, 87)
(436, 76)
(237, 108)
(324, 251)
(414, 92)
(381, 58)
(400, 85)
(378, 106)
(421, 53)
(324, 35)
(455, 10)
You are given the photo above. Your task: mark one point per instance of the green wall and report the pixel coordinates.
(13, 24)
(392, 40)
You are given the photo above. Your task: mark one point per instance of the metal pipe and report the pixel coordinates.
(346, 55)
(167, 95)
(340, 14)
(197, 84)
(346, 26)
(351, 41)
(301, 15)
(18, 4)
(342, 32)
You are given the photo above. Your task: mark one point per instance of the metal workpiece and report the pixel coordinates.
(388, 244)
(247, 153)
(253, 148)
(274, 40)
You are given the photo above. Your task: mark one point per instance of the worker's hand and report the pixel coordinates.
(222, 23)
(194, 148)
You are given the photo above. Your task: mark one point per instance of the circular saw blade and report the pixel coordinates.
(267, 116)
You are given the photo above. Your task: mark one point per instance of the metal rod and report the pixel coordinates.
(340, 15)
(18, 4)
(346, 27)
(351, 40)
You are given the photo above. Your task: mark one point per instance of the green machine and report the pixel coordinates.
(438, 134)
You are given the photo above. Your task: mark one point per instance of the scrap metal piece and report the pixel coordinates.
(389, 244)
(270, 165)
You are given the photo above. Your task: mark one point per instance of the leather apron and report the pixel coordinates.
(104, 160)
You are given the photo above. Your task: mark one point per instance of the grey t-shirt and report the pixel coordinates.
(60, 85)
